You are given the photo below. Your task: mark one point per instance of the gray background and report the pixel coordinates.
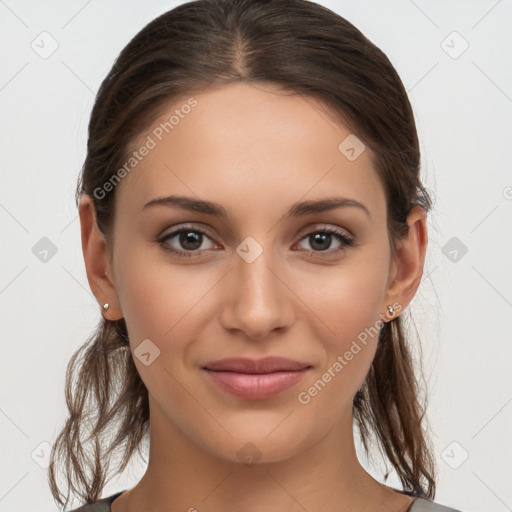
(463, 106)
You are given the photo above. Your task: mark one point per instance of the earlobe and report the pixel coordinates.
(410, 259)
(96, 259)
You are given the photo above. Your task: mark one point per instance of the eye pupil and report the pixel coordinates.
(321, 238)
(190, 237)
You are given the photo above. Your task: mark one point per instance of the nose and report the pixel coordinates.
(258, 300)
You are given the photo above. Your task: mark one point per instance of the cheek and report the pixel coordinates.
(163, 303)
(347, 303)
(347, 299)
(158, 305)
(155, 294)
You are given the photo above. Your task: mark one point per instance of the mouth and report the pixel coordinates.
(252, 379)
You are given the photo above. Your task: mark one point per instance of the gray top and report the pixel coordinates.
(423, 505)
(418, 505)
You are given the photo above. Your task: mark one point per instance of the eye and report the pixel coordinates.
(189, 240)
(321, 241)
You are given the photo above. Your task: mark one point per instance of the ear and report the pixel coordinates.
(97, 263)
(408, 267)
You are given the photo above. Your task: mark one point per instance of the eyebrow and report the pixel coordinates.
(217, 210)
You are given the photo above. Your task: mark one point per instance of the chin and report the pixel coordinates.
(256, 449)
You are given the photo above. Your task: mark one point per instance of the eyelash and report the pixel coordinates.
(340, 236)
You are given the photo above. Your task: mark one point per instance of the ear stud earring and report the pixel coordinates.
(105, 306)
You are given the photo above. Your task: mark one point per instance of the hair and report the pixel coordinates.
(309, 50)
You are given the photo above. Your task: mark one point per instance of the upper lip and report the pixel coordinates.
(245, 365)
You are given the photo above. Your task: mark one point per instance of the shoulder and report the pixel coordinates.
(101, 505)
(424, 505)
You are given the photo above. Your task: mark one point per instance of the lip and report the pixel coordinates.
(253, 379)
(246, 365)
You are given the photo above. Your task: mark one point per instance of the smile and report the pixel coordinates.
(256, 386)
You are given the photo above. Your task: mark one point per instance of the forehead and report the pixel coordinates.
(248, 146)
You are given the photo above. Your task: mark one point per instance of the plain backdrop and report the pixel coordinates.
(454, 59)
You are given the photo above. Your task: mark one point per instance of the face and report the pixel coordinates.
(310, 286)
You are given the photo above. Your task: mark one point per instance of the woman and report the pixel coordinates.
(253, 226)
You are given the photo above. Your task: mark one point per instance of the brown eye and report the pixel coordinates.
(321, 241)
(188, 242)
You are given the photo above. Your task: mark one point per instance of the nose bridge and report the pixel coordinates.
(259, 302)
(255, 282)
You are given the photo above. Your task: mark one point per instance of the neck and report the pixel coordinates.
(326, 476)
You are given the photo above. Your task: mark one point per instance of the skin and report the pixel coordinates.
(255, 151)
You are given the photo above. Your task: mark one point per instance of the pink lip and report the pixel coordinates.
(256, 379)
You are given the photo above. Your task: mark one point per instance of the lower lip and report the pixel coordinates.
(256, 386)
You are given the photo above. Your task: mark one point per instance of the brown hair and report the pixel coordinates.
(307, 49)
